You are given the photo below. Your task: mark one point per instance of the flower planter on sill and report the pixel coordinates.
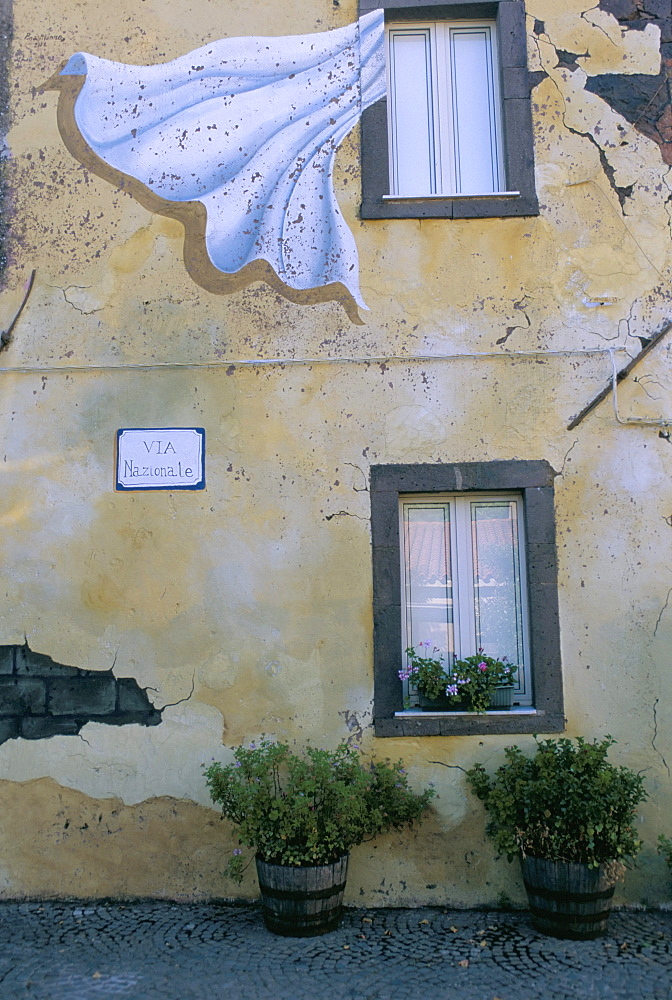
(441, 704)
(500, 699)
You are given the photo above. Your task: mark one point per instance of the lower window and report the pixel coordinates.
(464, 579)
(464, 560)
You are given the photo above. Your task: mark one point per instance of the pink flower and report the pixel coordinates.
(482, 667)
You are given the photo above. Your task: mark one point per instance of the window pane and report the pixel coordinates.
(497, 589)
(411, 112)
(474, 112)
(428, 585)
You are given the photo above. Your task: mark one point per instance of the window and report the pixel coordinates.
(464, 558)
(453, 138)
(464, 582)
(443, 108)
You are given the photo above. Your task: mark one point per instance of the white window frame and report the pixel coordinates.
(461, 578)
(434, 168)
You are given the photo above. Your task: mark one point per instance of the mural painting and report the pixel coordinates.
(237, 140)
(211, 186)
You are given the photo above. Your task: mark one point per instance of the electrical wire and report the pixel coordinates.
(635, 421)
(260, 362)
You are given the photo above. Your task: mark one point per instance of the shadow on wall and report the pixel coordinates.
(40, 698)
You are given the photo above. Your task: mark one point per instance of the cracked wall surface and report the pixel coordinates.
(246, 608)
(6, 29)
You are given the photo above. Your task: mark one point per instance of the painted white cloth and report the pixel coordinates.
(249, 127)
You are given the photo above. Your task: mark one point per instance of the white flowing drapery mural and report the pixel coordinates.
(249, 128)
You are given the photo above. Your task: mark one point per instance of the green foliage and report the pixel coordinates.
(665, 848)
(566, 803)
(469, 684)
(309, 808)
(426, 673)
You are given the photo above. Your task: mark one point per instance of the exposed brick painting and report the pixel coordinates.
(41, 698)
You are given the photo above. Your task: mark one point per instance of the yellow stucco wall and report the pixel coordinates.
(246, 608)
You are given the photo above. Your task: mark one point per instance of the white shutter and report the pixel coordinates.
(474, 110)
(411, 111)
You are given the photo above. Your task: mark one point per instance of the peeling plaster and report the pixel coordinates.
(132, 764)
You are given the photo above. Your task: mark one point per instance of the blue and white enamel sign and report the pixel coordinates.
(160, 458)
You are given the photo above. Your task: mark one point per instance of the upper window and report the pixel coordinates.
(443, 108)
(453, 138)
(464, 559)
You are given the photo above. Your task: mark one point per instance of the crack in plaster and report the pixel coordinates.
(521, 304)
(640, 380)
(456, 766)
(358, 489)
(596, 25)
(567, 454)
(662, 611)
(655, 733)
(180, 701)
(84, 312)
(622, 193)
(627, 320)
(345, 513)
(609, 172)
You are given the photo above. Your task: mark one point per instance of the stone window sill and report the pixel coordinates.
(415, 713)
(516, 721)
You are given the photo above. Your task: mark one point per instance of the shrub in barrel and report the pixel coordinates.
(568, 813)
(301, 811)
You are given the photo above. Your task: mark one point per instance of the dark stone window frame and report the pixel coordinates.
(534, 479)
(518, 144)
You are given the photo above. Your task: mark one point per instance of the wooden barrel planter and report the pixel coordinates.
(567, 900)
(302, 902)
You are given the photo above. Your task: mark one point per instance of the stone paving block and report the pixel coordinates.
(161, 950)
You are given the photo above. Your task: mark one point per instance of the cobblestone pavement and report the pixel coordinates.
(172, 951)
